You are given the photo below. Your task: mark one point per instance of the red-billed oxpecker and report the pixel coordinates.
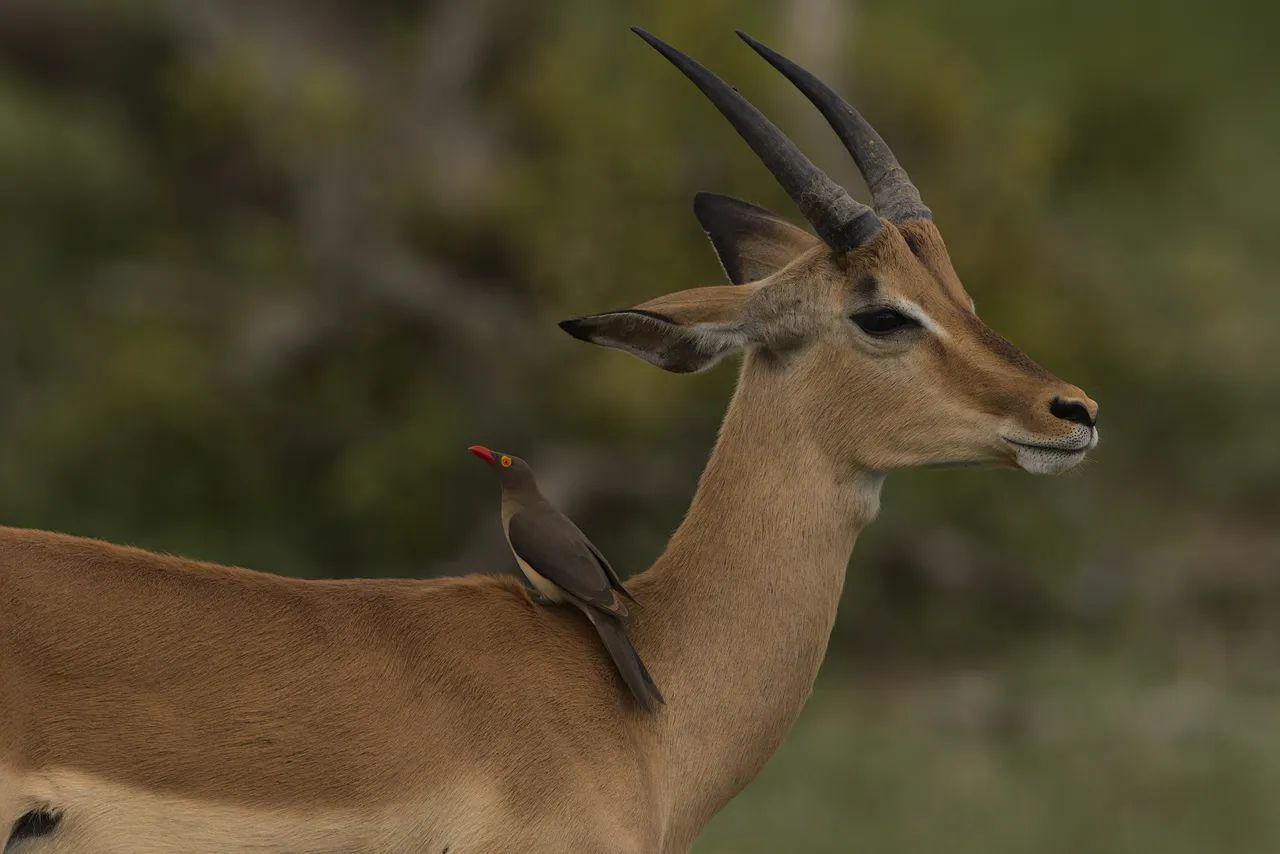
(564, 566)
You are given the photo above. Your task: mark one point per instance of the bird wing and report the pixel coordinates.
(604, 563)
(608, 569)
(560, 553)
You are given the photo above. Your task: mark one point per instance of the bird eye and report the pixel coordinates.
(506, 462)
(882, 321)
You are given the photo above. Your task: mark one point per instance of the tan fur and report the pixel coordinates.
(718, 303)
(167, 705)
(431, 711)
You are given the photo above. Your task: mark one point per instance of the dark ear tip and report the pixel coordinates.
(707, 204)
(701, 200)
(576, 327)
(705, 207)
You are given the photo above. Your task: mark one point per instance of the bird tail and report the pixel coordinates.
(624, 655)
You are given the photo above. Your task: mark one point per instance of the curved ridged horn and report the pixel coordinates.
(892, 193)
(840, 220)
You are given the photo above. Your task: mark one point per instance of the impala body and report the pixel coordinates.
(154, 704)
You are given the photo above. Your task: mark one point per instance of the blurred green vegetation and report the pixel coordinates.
(267, 269)
(1058, 754)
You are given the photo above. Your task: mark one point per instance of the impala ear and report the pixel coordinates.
(684, 332)
(752, 242)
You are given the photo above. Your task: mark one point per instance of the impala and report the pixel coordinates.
(154, 704)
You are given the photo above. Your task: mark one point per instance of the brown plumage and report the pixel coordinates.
(564, 566)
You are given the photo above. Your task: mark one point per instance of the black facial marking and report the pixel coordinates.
(912, 243)
(866, 286)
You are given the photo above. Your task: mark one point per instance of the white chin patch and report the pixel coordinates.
(1055, 456)
(1046, 461)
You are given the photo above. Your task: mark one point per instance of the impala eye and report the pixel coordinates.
(882, 321)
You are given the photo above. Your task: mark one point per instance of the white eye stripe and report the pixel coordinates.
(916, 313)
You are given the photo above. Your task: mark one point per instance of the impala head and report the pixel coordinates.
(866, 326)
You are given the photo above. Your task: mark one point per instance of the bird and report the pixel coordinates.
(565, 567)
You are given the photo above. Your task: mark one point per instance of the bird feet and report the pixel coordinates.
(537, 597)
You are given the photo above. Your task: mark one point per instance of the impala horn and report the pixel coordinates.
(840, 220)
(894, 196)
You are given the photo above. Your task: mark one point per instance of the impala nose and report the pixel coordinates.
(1072, 410)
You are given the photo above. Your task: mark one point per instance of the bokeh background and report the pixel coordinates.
(268, 267)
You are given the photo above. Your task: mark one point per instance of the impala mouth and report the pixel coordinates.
(1052, 457)
(1053, 449)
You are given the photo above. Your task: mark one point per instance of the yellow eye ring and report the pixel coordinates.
(506, 461)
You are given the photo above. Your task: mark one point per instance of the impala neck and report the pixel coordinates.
(745, 595)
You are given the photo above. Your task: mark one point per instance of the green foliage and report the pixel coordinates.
(1058, 758)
